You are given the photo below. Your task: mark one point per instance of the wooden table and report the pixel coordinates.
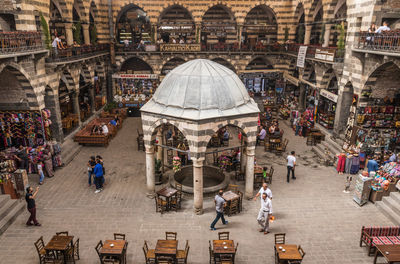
(60, 244)
(291, 252)
(223, 247)
(166, 248)
(393, 250)
(230, 196)
(115, 251)
(167, 193)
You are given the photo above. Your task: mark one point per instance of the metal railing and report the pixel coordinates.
(20, 41)
(388, 41)
(311, 51)
(75, 53)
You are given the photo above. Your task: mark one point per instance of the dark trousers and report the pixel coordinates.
(219, 215)
(99, 182)
(289, 168)
(33, 216)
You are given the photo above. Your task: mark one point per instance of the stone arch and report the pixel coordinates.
(93, 10)
(79, 6)
(178, 21)
(388, 74)
(56, 19)
(225, 62)
(18, 93)
(171, 64)
(299, 21)
(327, 76)
(223, 6)
(259, 63)
(313, 11)
(69, 81)
(261, 15)
(141, 63)
(127, 7)
(178, 7)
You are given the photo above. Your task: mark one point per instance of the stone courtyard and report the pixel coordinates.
(312, 210)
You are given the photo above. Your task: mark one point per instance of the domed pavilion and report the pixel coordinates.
(199, 97)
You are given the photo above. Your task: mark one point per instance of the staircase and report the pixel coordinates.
(69, 150)
(9, 210)
(328, 148)
(390, 206)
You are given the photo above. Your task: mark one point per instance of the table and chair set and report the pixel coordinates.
(60, 249)
(166, 251)
(168, 198)
(223, 249)
(287, 253)
(259, 178)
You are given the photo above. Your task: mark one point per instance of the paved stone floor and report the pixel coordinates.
(312, 211)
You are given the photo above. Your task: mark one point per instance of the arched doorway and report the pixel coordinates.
(136, 65)
(317, 24)
(259, 63)
(133, 25)
(300, 20)
(171, 64)
(339, 32)
(78, 18)
(56, 23)
(260, 26)
(66, 96)
(7, 22)
(258, 77)
(327, 102)
(92, 23)
(176, 25)
(218, 27)
(225, 63)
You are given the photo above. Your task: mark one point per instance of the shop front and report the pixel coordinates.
(133, 26)
(176, 26)
(327, 108)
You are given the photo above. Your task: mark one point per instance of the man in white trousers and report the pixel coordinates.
(265, 213)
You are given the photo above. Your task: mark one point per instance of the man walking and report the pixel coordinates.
(30, 200)
(291, 163)
(265, 213)
(98, 173)
(219, 207)
(264, 189)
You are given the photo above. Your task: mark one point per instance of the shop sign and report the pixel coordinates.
(325, 54)
(331, 96)
(176, 28)
(151, 48)
(180, 47)
(134, 76)
(301, 57)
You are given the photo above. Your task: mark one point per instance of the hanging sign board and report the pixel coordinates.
(325, 54)
(331, 96)
(180, 47)
(301, 57)
(134, 76)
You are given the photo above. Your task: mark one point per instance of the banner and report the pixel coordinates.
(331, 96)
(325, 54)
(134, 76)
(180, 47)
(301, 57)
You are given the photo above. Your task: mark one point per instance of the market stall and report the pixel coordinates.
(327, 108)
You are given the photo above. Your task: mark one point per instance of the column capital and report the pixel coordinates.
(149, 149)
(68, 25)
(85, 26)
(250, 151)
(308, 27)
(198, 162)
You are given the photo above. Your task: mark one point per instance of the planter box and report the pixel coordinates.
(376, 196)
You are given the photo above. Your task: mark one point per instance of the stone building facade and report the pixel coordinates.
(30, 79)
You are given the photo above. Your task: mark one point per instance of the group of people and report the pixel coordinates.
(273, 130)
(300, 125)
(96, 171)
(373, 29)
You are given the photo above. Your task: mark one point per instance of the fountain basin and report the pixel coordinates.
(213, 179)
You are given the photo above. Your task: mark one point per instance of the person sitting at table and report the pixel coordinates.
(272, 129)
(261, 135)
(95, 130)
(226, 135)
(104, 128)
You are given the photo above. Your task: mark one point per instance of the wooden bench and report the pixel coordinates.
(379, 235)
(85, 137)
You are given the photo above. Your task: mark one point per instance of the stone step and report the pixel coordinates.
(6, 208)
(9, 218)
(321, 155)
(333, 144)
(395, 196)
(331, 147)
(69, 150)
(4, 199)
(386, 210)
(392, 203)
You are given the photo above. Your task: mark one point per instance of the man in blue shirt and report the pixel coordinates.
(98, 172)
(372, 165)
(219, 207)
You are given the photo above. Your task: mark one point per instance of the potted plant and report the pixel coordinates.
(157, 171)
(176, 163)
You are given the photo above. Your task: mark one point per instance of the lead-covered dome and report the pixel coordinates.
(201, 89)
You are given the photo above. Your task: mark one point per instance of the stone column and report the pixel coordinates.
(327, 35)
(92, 99)
(75, 102)
(86, 34)
(239, 38)
(250, 172)
(53, 104)
(307, 34)
(302, 97)
(159, 149)
(150, 176)
(198, 33)
(243, 160)
(155, 26)
(68, 34)
(198, 185)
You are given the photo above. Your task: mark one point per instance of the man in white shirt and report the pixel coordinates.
(265, 213)
(105, 129)
(291, 163)
(264, 189)
(383, 28)
(55, 44)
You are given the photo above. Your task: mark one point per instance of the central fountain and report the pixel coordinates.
(214, 179)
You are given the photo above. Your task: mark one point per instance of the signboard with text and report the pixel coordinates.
(325, 54)
(180, 47)
(134, 76)
(301, 57)
(331, 96)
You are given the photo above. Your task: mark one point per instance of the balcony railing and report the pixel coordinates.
(388, 41)
(76, 53)
(313, 50)
(20, 41)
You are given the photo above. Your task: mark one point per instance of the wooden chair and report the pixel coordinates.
(52, 260)
(240, 201)
(233, 207)
(179, 194)
(258, 181)
(234, 188)
(164, 260)
(161, 205)
(301, 251)
(239, 176)
(282, 148)
(63, 233)
(268, 178)
(280, 238)
(98, 247)
(118, 236)
(104, 259)
(182, 255)
(226, 259)
(170, 235)
(223, 235)
(294, 262)
(210, 252)
(149, 254)
(39, 244)
(73, 252)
